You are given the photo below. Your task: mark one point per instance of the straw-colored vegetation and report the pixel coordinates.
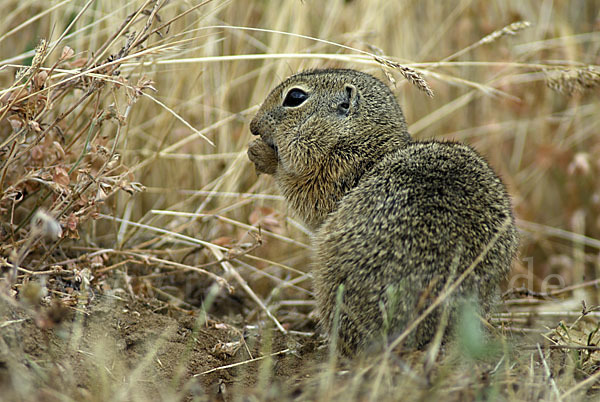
(142, 258)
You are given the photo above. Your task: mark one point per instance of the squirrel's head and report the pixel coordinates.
(322, 117)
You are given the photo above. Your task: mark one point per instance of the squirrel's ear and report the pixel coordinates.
(350, 100)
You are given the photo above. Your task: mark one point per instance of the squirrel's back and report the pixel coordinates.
(413, 224)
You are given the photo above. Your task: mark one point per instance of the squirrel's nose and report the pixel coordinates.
(254, 126)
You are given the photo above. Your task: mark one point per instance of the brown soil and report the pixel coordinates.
(111, 345)
(129, 350)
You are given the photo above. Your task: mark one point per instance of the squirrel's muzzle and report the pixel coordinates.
(254, 127)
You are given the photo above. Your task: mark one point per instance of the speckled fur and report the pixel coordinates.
(394, 219)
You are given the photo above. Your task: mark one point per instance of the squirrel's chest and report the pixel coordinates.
(312, 200)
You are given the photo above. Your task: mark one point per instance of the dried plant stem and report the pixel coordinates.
(233, 222)
(242, 363)
(221, 281)
(68, 28)
(559, 347)
(217, 252)
(11, 155)
(510, 29)
(126, 24)
(410, 74)
(242, 282)
(141, 39)
(560, 233)
(187, 239)
(545, 314)
(526, 292)
(187, 139)
(549, 375)
(591, 380)
(33, 19)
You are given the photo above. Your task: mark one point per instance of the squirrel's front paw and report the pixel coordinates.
(263, 156)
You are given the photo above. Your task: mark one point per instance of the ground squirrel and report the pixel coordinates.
(394, 219)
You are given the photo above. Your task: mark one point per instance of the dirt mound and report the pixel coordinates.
(125, 350)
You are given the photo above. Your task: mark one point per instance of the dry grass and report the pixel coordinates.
(123, 131)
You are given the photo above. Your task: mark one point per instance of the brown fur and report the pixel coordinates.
(394, 219)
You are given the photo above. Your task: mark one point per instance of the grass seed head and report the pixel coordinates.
(573, 81)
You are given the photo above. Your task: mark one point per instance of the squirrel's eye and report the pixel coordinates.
(295, 97)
